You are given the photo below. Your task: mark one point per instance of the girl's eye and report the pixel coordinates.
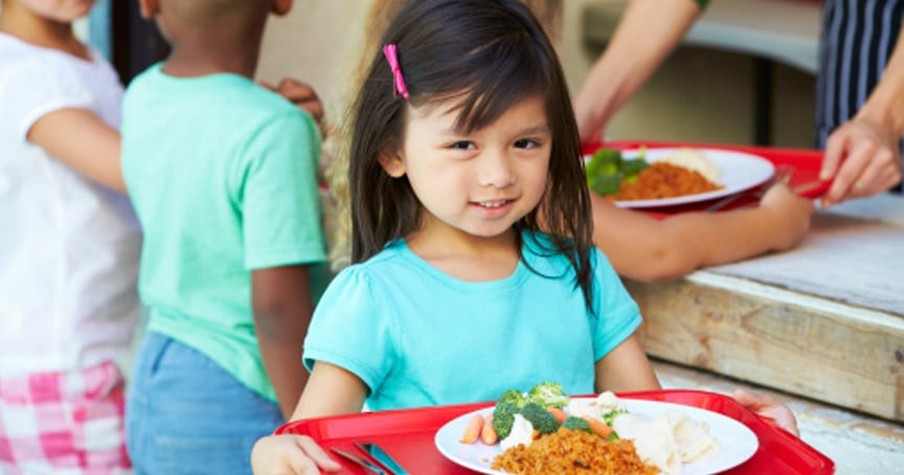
(527, 143)
(462, 145)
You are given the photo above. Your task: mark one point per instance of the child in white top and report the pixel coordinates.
(69, 247)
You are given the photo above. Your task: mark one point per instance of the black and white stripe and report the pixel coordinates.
(858, 37)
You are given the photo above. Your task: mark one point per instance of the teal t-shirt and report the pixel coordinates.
(223, 177)
(419, 337)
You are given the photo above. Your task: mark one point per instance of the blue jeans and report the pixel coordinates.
(186, 415)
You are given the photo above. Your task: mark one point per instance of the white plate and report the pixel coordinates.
(737, 442)
(739, 171)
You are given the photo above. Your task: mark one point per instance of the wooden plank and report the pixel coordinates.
(830, 352)
(847, 259)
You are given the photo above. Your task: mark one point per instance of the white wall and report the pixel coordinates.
(317, 42)
(697, 94)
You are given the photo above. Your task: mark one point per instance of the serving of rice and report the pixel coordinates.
(664, 180)
(573, 452)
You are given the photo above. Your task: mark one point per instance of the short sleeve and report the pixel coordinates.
(617, 314)
(280, 202)
(32, 88)
(354, 329)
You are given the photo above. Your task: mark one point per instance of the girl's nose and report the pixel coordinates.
(495, 169)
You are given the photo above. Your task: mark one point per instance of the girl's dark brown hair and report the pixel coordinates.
(488, 55)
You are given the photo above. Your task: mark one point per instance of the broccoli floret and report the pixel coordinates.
(610, 416)
(503, 418)
(540, 418)
(548, 394)
(576, 423)
(513, 397)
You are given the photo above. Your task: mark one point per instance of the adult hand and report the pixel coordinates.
(299, 93)
(769, 408)
(290, 455)
(863, 157)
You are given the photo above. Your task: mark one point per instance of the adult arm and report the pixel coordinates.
(648, 249)
(863, 155)
(81, 140)
(282, 304)
(647, 32)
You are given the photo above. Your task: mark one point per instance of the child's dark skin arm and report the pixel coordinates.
(282, 304)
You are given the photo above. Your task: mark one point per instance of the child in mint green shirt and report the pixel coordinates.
(223, 176)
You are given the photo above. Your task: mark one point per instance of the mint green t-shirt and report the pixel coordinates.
(222, 174)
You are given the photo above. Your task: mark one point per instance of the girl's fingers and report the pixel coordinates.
(765, 406)
(316, 454)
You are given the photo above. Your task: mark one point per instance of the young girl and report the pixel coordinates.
(68, 248)
(473, 268)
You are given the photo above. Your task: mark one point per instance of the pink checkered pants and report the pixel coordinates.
(64, 423)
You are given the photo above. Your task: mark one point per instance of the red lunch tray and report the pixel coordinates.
(408, 435)
(805, 181)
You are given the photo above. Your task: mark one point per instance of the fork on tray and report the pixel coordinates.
(362, 462)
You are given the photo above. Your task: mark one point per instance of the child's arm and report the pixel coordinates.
(82, 141)
(331, 390)
(625, 368)
(282, 304)
(648, 249)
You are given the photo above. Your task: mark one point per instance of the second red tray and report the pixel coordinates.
(806, 165)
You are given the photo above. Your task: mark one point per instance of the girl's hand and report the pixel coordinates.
(290, 455)
(769, 408)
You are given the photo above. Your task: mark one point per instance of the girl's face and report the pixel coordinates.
(63, 11)
(478, 183)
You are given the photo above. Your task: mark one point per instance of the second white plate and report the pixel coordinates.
(739, 171)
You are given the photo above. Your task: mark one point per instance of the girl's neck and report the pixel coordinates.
(39, 31)
(467, 257)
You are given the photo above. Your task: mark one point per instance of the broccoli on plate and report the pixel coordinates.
(548, 394)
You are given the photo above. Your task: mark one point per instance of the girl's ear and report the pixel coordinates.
(393, 165)
(281, 7)
(149, 8)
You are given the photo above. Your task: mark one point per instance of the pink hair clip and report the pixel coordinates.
(392, 58)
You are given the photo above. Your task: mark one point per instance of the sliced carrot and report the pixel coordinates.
(488, 433)
(598, 427)
(472, 430)
(559, 414)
